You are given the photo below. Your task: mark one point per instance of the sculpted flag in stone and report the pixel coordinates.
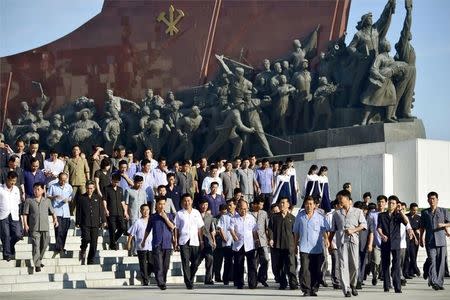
(244, 109)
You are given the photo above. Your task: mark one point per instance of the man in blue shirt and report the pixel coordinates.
(265, 183)
(214, 199)
(34, 175)
(61, 194)
(162, 225)
(435, 223)
(310, 229)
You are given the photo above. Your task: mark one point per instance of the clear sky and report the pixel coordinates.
(28, 24)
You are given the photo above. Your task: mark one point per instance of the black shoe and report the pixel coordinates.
(418, 273)
(441, 288)
(8, 258)
(324, 284)
(209, 282)
(305, 294)
(403, 282)
(354, 292)
(42, 265)
(336, 286)
(226, 283)
(162, 287)
(264, 283)
(398, 291)
(435, 287)
(425, 275)
(313, 294)
(374, 281)
(218, 280)
(240, 287)
(358, 285)
(386, 290)
(37, 269)
(348, 294)
(408, 277)
(282, 288)
(294, 287)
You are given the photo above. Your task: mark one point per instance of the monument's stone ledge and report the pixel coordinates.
(354, 135)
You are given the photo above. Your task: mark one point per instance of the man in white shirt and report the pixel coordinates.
(53, 166)
(189, 237)
(10, 229)
(244, 230)
(148, 154)
(148, 182)
(160, 174)
(213, 176)
(144, 252)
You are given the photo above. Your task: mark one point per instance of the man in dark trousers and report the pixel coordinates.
(89, 218)
(115, 210)
(209, 241)
(162, 225)
(282, 242)
(413, 246)
(389, 230)
(435, 223)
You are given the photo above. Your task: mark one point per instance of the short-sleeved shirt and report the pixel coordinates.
(159, 177)
(188, 225)
(264, 177)
(114, 199)
(310, 231)
(148, 185)
(134, 199)
(372, 224)
(262, 220)
(4, 175)
(208, 229)
(206, 185)
(103, 179)
(243, 228)
(9, 202)
(214, 203)
(162, 235)
(341, 222)
(63, 192)
(185, 182)
(137, 230)
(246, 179)
(38, 212)
(434, 237)
(224, 224)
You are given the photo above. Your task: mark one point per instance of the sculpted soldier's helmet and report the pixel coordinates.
(365, 20)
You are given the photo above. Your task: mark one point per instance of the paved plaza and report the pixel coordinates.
(416, 289)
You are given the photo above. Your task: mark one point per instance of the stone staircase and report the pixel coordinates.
(112, 268)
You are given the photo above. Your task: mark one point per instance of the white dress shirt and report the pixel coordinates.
(243, 228)
(159, 178)
(9, 202)
(206, 185)
(55, 167)
(188, 225)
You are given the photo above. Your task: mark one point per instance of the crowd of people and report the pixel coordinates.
(224, 213)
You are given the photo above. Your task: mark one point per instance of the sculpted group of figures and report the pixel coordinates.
(242, 107)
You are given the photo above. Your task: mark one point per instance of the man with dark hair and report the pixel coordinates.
(310, 229)
(90, 217)
(115, 210)
(160, 173)
(367, 198)
(262, 247)
(61, 194)
(33, 152)
(413, 247)
(374, 239)
(169, 207)
(434, 225)
(173, 191)
(135, 197)
(213, 177)
(161, 225)
(10, 229)
(189, 238)
(347, 222)
(214, 199)
(266, 184)
(36, 210)
(247, 181)
(32, 176)
(125, 181)
(209, 241)
(149, 182)
(221, 240)
(388, 228)
(184, 179)
(347, 186)
(13, 166)
(142, 245)
(78, 169)
(229, 179)
(282, 242)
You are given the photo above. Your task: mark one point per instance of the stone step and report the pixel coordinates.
(54, 277)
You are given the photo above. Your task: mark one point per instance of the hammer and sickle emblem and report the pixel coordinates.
(171, 22)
